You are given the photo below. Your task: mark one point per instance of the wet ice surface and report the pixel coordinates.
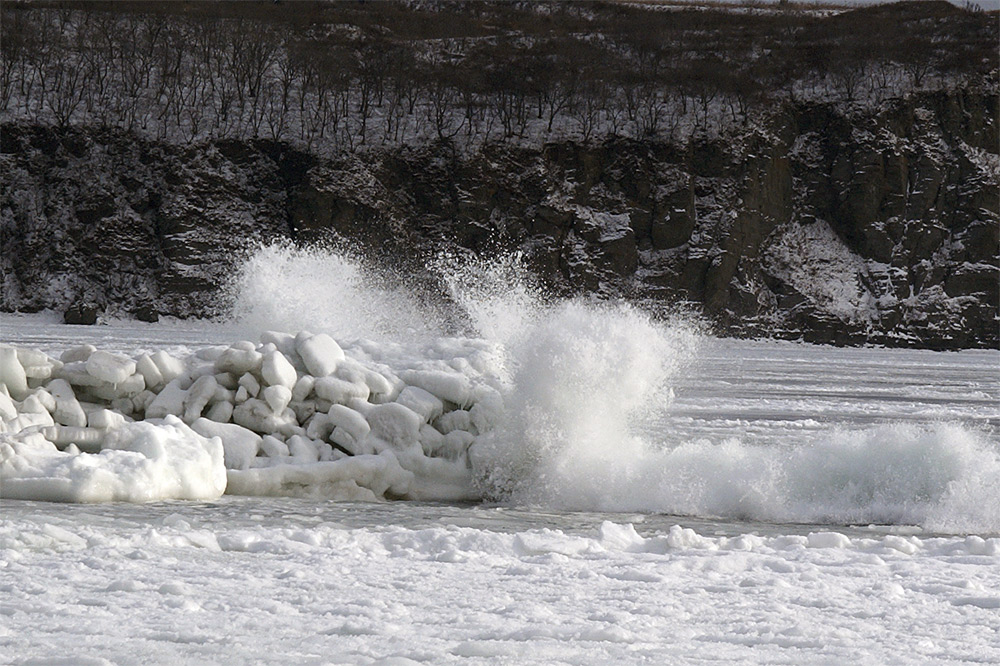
(776, 392)
(279, 580)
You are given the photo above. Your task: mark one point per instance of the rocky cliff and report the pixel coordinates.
(825, 223)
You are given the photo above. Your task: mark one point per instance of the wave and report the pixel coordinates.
(579, 377)
(565, 404)
(941, 477)
(287, 288)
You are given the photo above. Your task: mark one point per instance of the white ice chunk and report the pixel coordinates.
(350, 420)
(278, 371)
(222, 394)
(32, 404)
(67, 409)
(339, 391)
(320, 426)
(240, 358)
(455, 444)
(488, 410)
(170, 368)
(436, 479)
(41, 371)
(458, 419)
(45, 398)
(220, 412)
(32, 357)
(272, 447)
(427, 405)
(198, 396)
(449, 386)
(12, 373)
(140, 462)
(430, 439)
(303, 387)
(111, 368)
(240, 445)
(347, 442)
(257, 416)
(86, 439)
(303, 449)
(105, 418)
(327, 452)
(380, 384)
(133, 385)
(283, 342)
(303, 409)
(250, 383)
(364, 478)
(76, 374)
(451, 446)
(211, 354)
(77, 354)
(28, 420)
(144, 400)
(227, 380)
(277, 397)
(7, 409)
(36, 363)
(360, 405)
(150, 372)
(320, 354)
(124, 406)
(397, 425)
(169, 401)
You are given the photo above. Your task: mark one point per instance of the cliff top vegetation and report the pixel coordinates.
(343, 76)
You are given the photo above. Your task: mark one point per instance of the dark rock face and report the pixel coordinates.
(84, 314)
(826, 226)
(103, 217)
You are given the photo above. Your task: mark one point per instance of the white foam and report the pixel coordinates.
(940, 477)
(581, 374)
(289, 289)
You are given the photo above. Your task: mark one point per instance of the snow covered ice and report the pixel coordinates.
(568, 483)
(292, 581)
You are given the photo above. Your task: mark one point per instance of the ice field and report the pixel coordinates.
(560, 482)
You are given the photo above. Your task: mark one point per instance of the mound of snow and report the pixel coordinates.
(139, 462)
(291, 415)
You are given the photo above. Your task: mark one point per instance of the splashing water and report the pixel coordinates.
(498, 295)
(285, 288)
(583, 375)
(584, 384)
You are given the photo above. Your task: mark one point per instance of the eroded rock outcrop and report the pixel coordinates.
(827, 224)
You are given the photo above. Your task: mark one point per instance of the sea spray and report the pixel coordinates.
(499, 297)
(583, 374)
(585, 384)
(940, 476)
(287, 288)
